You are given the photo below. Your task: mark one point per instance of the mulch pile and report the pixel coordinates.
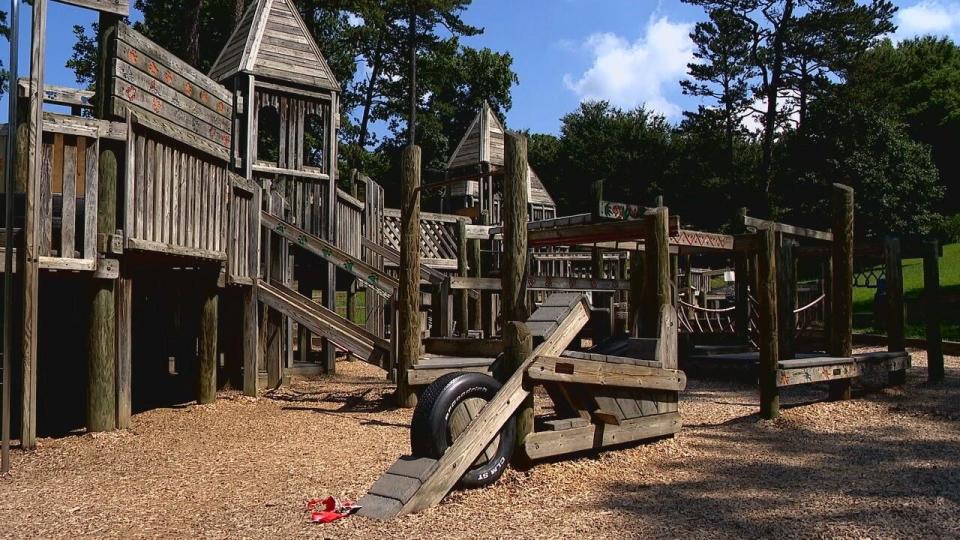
(884, 464)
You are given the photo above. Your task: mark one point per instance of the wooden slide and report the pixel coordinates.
(324, 322)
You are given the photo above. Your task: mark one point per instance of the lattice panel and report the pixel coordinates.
(438, 239)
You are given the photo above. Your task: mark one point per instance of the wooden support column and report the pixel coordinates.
(841, 343)
(741, 269)
(440, 306)
(826, 269)
(786, 296)
(473, 304)
(513, 206)
(408, 331)
(769, 341)
(931, 300)
(517, 346)
(895, 320)
(656, 283)
(636, 293)
(123, 312)
(305, 288)
(102, 338)
(29, 264)
(460, 309)
(207, 350)
(251, 345)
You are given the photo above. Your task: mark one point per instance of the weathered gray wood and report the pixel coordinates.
(769, 341)
(409, 291)
(464, 451)
(124, 332)
(842, 207)
(513, 297)
(786, 295)
(895, 308)
(119, 7)
(517, 346)
(460, 309)
(786, 229)
(207, 350)
(91, 202)
(29, 258)
(581, 371)
(102, 339)
(931, 298)
(656, 285)
(553, 443)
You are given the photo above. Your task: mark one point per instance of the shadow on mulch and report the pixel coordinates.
(370, 400)
(895, 481)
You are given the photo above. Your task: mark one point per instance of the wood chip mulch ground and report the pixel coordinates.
(885, 464)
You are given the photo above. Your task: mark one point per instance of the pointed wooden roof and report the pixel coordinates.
(272, 41)
(483, 143)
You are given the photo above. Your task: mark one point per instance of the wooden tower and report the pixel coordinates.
(479, 153)
(286, 103)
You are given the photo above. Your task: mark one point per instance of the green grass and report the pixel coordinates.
(913, 288)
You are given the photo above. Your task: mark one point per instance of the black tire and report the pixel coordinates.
(429, 430)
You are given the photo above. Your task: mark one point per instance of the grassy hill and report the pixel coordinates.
(913, 287)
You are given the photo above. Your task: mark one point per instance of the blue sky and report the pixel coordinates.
(630, 52)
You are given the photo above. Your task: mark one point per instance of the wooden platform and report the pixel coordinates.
(808, 367)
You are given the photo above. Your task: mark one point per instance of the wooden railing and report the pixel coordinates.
(244, 231)
(176, 198)
(349, 224)
(438, 237)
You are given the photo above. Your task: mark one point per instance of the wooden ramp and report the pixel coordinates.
(324, 322)
(413, 484)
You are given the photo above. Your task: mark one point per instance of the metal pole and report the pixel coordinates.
(8, 224)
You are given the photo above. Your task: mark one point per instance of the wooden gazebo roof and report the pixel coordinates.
(273, 42)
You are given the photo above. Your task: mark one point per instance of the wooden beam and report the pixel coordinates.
(460, 315)
(101, 339)
(513, 210)
(408, 331)
(542, 283)
(517, 346)
(931, 299)
(895, 316)
(656, 282)
(768, 324)
(207, 350)
(593, 233)
(787, 229)
(842, 207)
(580, 371)
(119, 7)
(545, 444)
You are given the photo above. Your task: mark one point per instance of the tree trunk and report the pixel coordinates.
(192, 27)
(368, 97)
(772, 95)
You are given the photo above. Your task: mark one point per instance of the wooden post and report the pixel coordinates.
(786, 296)
(517, 346)
(474, 304)
(513, 296)
(827, 279)
(842, 320)
(741, 284)
(460, 309)
(931, 297)
(769, 341)
(303, 335)
(656, 283)
(101, 340)
(636, 293)
(408, 331)
(251, 345)
(895, 323)
(440, 306)
(207, 350)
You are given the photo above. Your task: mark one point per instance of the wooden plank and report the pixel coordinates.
(373, 276)
(575, 370)
(464, 451)
(554, 443)
(68, 219)
(91, 185)
(170, 249)
(792, 230)
(119, 7)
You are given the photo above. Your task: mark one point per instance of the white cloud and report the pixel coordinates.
(354, 20)
(928, 17)
(630, 74)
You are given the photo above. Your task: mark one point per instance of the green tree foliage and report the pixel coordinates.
(795, 47)
(894, 176)
(918, 82)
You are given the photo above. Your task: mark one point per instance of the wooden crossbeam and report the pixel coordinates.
(544, 283)
(544, 444)
(788, 229)
(581, 371)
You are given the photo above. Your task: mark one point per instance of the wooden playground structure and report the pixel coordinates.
(189, 235)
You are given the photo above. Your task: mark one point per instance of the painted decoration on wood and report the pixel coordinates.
(169, 96)
(615, 210)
